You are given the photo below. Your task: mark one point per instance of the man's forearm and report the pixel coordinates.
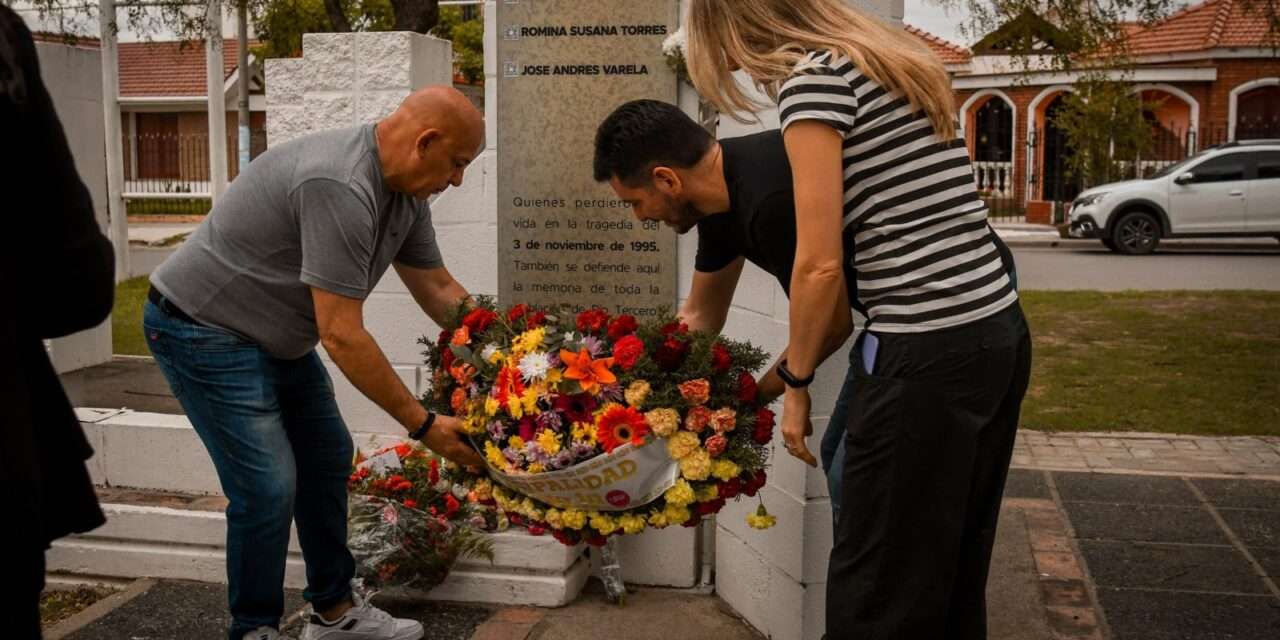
(443, 301)
(364, 364)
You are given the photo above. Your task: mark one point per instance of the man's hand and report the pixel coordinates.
(447, 438)
(796, 425)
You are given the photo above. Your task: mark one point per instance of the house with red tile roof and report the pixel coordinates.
(164, 107)
(1211, 68)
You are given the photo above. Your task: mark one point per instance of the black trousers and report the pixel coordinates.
(928, 443)
(30, 583)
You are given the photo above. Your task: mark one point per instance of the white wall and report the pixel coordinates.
(73, 76)
(776, 579)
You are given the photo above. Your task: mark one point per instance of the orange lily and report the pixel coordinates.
(589, 373)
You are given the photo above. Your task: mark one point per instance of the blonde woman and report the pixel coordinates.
(884, 195)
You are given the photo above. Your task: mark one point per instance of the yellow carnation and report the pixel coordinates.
(516, 442)
(515, 408)
(550, 442)
(490, 406)
(676, 514)
(603, 523)
(696, 465)
(682, 444)
(574, 519)
(631, 523)
(761, 519)
(658, 520)
(637, 393)
(680, 494)
(663, 422)
(724, 470)
(484, 488)
(555, 518)
(708, 493)
(536, 467)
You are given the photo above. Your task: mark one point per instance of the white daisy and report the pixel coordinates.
(489, 351)
(534, 366)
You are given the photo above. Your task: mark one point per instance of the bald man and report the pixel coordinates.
(285, 260)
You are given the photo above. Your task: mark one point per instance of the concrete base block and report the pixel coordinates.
(767, 597)
(159, 542)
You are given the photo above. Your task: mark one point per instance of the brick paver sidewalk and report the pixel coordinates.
(1252, 456)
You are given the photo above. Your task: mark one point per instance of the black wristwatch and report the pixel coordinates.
(426, 426)
(790, 379)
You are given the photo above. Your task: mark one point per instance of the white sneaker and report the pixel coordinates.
(263, 633)
(362, 621)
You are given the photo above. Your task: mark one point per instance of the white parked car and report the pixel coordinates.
(1230, 190)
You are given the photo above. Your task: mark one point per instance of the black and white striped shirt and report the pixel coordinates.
(922, 251)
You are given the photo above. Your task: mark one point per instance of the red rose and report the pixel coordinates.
(730, 490)
(446, 358)
(672, 353)
(720, 358)
(755, 483)
(536, 319)
(433, 471)
(478, 320)
(764, 427)
(674, 328)
(451, 505)
(537, 529)
(411, 503)
(566, 537)
(627, 351)
(593, 320)
(747, 389)
(709, 508)
(622, 325)
(517, 312)
(444, 338)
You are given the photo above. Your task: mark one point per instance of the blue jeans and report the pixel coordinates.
(282, 453)
(832, 450)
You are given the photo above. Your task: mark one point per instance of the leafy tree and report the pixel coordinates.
(468, 41)
(1105, 127)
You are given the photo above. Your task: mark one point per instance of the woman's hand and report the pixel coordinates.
(796, 425)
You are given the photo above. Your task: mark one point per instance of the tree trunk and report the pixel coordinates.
(337, 17)
(415, 15)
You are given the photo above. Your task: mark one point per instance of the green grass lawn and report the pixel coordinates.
(126, 318)
(1176, 362)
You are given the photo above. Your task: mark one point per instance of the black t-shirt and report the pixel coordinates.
(760, 224)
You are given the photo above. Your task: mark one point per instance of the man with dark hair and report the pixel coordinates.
(738, 193)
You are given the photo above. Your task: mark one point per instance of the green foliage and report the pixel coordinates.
(1105, 125)
(281, 23)
(468, 41)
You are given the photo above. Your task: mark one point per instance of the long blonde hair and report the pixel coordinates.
(768, 38)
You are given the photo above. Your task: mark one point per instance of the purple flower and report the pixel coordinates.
(497, 430)
(512, 455)
(550, 420)
(593, 345)
(581, 450)
(561, 460)
(611, 392)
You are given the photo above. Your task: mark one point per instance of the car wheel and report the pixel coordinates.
(1136, 233)
(1109, 243)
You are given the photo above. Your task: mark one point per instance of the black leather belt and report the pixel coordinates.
(167, 305)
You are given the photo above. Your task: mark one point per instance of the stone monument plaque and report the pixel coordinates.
(563, 238)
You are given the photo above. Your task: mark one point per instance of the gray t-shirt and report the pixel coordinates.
(313, 212)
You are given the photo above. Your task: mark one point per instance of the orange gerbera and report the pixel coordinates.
(509, 384)
(589, 373)
(619, 425)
